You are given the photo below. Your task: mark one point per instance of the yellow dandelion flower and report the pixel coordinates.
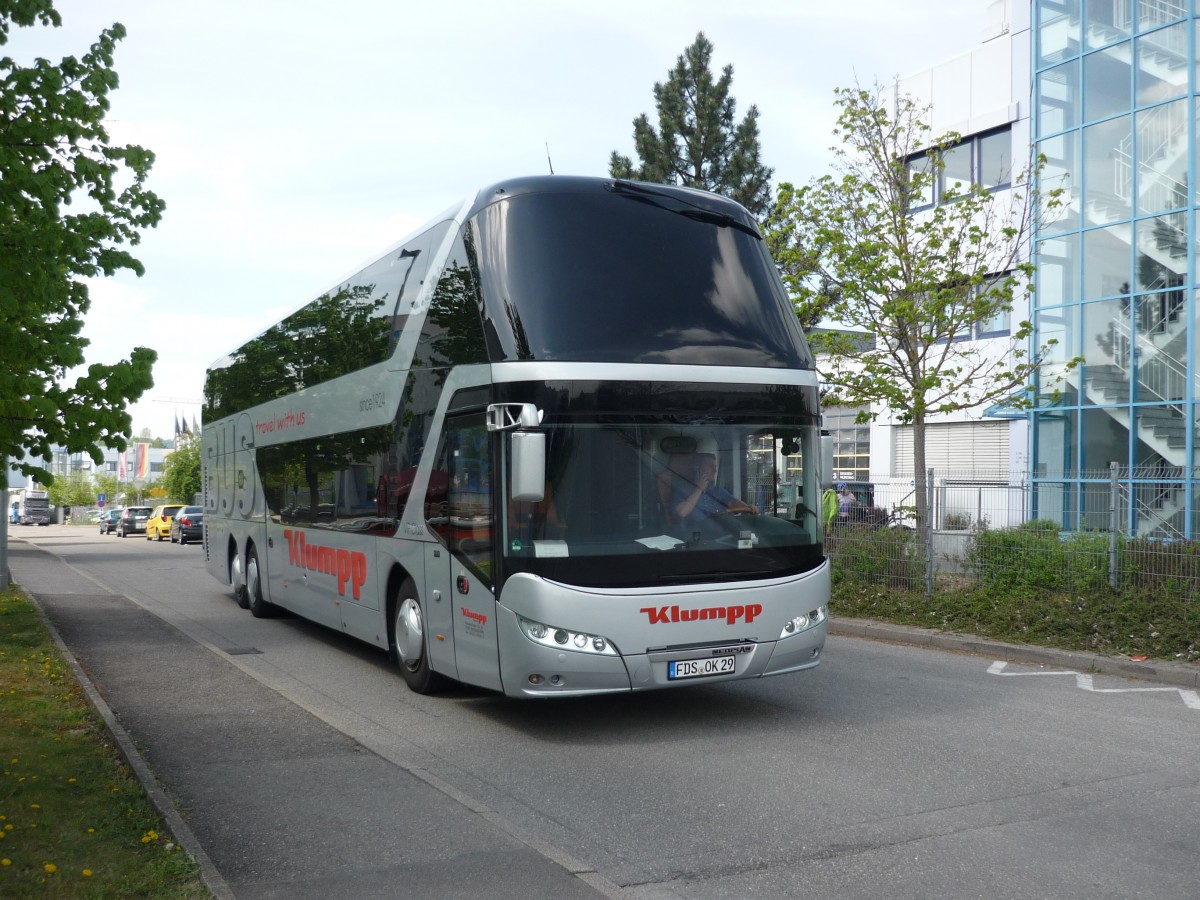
(91, 830)
(8, 827)
(70, 781)
(87, 873)
(50, 868)
(5, 862)
(35, 806)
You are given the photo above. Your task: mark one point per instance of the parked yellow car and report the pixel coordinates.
(159, 526)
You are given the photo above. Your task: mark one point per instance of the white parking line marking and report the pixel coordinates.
(1191, 699)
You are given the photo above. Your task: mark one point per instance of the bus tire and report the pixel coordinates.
(237, 579)
(408, 641)
(259, 607)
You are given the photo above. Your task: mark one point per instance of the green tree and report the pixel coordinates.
(70, 204)
(853, 249)
(73, 490)
(698, 143)
(181, 470)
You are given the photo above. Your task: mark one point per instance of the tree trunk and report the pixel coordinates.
(920, 484)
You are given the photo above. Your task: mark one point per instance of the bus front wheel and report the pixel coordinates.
(238, 580)
(409, 647)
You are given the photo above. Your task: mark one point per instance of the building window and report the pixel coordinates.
(998, 324)
(851, 442)
(983, 159)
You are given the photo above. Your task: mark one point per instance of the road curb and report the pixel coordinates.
(128, 749)
(1161, 671)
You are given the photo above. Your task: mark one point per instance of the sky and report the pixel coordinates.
(295, 139)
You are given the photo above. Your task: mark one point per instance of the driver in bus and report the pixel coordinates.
(701, 498)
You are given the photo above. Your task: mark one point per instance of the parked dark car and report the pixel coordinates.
(133, 520)
(109, 519)
(188, 525)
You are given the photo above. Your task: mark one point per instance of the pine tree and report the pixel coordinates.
(698, 144)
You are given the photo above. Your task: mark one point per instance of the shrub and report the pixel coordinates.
(875, 556)
(1035, 556)
(1169, 567)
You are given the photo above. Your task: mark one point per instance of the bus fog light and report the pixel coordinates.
(535, 678)
(561, 636)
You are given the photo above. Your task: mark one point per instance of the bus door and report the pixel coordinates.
(459, 565)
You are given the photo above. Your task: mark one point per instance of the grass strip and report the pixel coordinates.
(74, 822)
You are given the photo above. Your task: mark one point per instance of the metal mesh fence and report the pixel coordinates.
(1123, 529)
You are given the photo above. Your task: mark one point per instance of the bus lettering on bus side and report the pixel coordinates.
(345, 565)
(668, 614)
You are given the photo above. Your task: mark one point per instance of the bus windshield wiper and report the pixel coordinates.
(681, 207)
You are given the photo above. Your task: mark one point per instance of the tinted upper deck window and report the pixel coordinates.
(630, 277)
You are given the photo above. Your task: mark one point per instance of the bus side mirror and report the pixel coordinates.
(826, 460)
(528, 465)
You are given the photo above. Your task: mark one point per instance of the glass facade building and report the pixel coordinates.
(1114, 113)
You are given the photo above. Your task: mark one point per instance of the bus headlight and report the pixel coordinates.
(800, 623)
(565, 639)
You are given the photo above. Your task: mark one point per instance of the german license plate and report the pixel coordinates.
(699, 668)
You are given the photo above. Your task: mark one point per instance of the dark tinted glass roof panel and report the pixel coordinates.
(631, 273)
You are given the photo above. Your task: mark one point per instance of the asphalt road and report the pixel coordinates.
(303, 766)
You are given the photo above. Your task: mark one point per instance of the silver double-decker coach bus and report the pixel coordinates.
(562, 441)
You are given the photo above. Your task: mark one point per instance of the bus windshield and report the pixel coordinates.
(630, 501)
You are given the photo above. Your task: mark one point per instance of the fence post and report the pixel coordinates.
(929, 533)
(1114, 523)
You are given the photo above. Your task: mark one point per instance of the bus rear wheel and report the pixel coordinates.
(408, 643)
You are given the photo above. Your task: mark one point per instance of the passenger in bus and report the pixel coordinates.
(701, 498)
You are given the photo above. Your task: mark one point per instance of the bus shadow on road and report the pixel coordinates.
(693, 712)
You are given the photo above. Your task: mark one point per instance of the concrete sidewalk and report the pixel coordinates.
(273, 802)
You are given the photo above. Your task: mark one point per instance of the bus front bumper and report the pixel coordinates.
(533, 670)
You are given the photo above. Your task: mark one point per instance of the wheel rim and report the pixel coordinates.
(252, 578)
(236, 576)
(410, 634)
